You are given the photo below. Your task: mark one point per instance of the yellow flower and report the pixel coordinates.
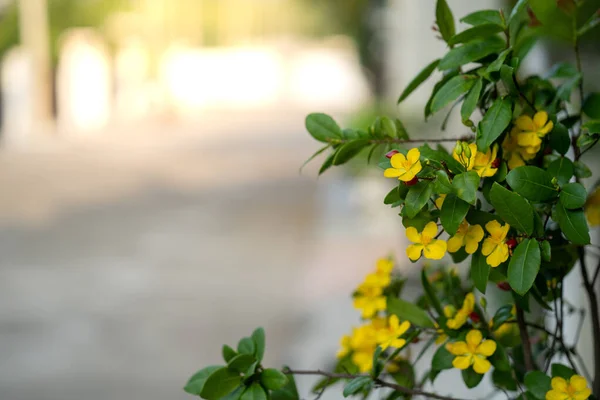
(345, 346)
(370, 299)
(511, 151)
(472, 352)
(573, 389)
(395, 365)
(363, 343)
(468, 236)
(483, 162)
(494, 246)
(390, 336)
(533, 130)
(507, 327)
(404, 168)
(425, 242)
(440, 200)
(383, 272)
(457, 319)
(592, 208)
(442, 337)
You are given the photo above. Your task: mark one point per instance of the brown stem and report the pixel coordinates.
(392, 140)
(595, 312)
(379, 382)
(525, 340)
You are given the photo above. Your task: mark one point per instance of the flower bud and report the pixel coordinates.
(474, 317)
(511, 243)
(503, 286)
(496, 163)
(412, 182)
(458, 149)
(391, 153)
(466, 149)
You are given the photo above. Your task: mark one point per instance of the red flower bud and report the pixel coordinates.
(547, 150)
(496, 163)
(511, 243)
(415, 340)
(474, 317)
(391, 153)
(503, 286)
(412, 182)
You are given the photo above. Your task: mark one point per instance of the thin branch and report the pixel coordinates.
(595, 313)
(525, 340)
(400, 141)
(596, 274)
(379, 382)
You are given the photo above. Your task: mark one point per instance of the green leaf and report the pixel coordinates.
(327, 164)
(562, 169)
(524, 266)
(559, 139)
(451, 91)
(573, 195)
(500, 359)
(564, 91)
(259, 340)
(477, 32)
(587, 139)
(236, 394)
(447, 76)
(418, 80)
(590, 24)
(591, 105)
(533, 183)
(241, 362)
(478, 217)
(410, 312)
(538, 383)
(219, 383)
(315, 154)
(483, 17)
(246, 346)
(504, 380)
(442, 359)
(348, 150)
(228, 353)
(470, 103)
(377, 364)
(471, 52)
(397, 194)
(196, 382)
(497, 63)
(288, 392)
(507, 78)
(454, 211)
(592, 126)
(562, 370)
(546, 250)
(502, 315)
(471, 378)
(494, 122)
(254, 392)
(416, 198)
(466, 185)
(554, 20)
(572, 223)
(322, 127)
(563, 70)
(516, 10)
(582, 170)
(430, 294)
(442, 183)
(480, 271)
(273, 379)
(356, 385)
(418, 221)
(444, 20)
(512, 208)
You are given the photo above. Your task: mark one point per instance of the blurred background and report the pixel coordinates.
(152, 207)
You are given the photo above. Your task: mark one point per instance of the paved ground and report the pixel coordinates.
(123, 268)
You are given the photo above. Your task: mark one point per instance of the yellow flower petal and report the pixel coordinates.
(408, 175)
(435, 250)
(394, 322)
(413, 155)
(457, 348)
(578, 382)
(398, 160)
(384, 266)
(493, 227)
(559, 384)
(403, 328)
(488, 247)
(496, 257)
(397, 343)
(582, 395)
(455, 243)
(539, 119)
(414, 251)
(544, 131)
(525, 123)
(481, 365)
(556, 395)
(392, 173)
(487, 348)
(528, 139)
(430, 230)
(474, 337)
(413, 235)
(462, 362)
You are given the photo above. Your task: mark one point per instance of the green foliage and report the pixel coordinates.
(451, 91)
(537, 383)
(418, 80)
(454, 211)
(573, 195)
(533, 183)
(480, 271)
(322, 127)
(512, 208)
(471, 52)
(494, 123)
(410, 312)
(444, 20)
(524, 266)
